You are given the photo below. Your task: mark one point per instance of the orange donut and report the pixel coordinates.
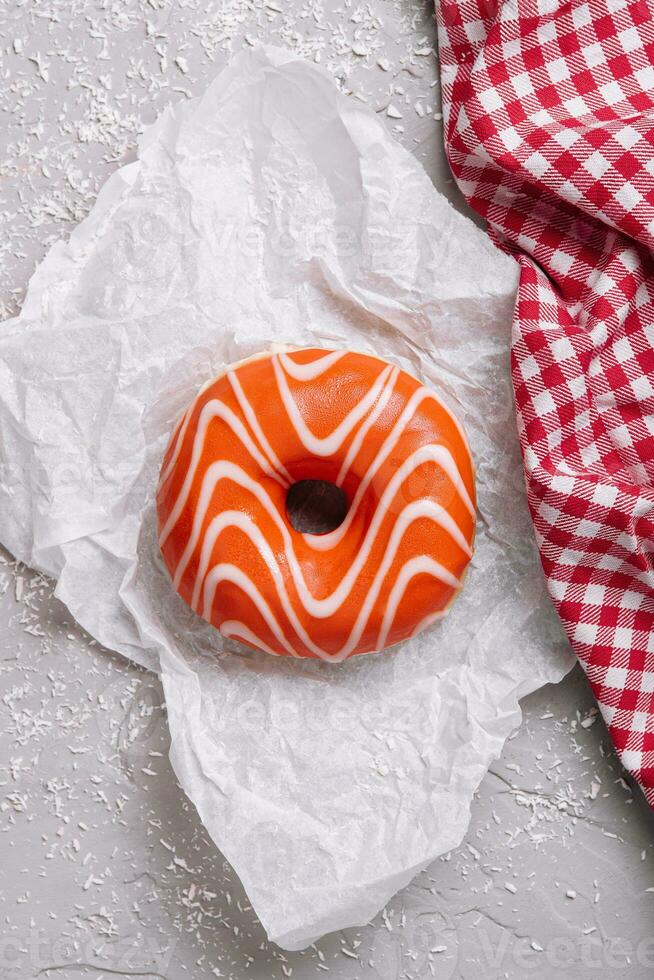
(402, 461)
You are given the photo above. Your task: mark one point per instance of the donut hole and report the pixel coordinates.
(315, 506)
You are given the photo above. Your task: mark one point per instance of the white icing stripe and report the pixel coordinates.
(428, 621)
(234, 518)
(180, 432)
(312, 370)
(420, 565)
(325, 542)
(178, 435)
(421, 508)
(322, 608)
(222, 470)
(213, 409)
(230, 573)
(232, 629)
(318, 608)
(412, 512)
(251, 417)
(330, 444)
(248, 527)
(357, 442)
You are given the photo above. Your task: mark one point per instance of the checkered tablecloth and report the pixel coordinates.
(549, 130)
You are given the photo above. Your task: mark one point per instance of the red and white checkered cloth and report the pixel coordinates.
(549, 130)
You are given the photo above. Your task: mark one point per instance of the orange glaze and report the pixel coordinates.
(393, 566)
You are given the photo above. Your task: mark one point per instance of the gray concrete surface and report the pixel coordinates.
(105, 868)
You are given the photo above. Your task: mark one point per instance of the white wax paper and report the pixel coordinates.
(275, 209)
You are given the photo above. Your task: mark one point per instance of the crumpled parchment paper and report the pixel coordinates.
(274, 209)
